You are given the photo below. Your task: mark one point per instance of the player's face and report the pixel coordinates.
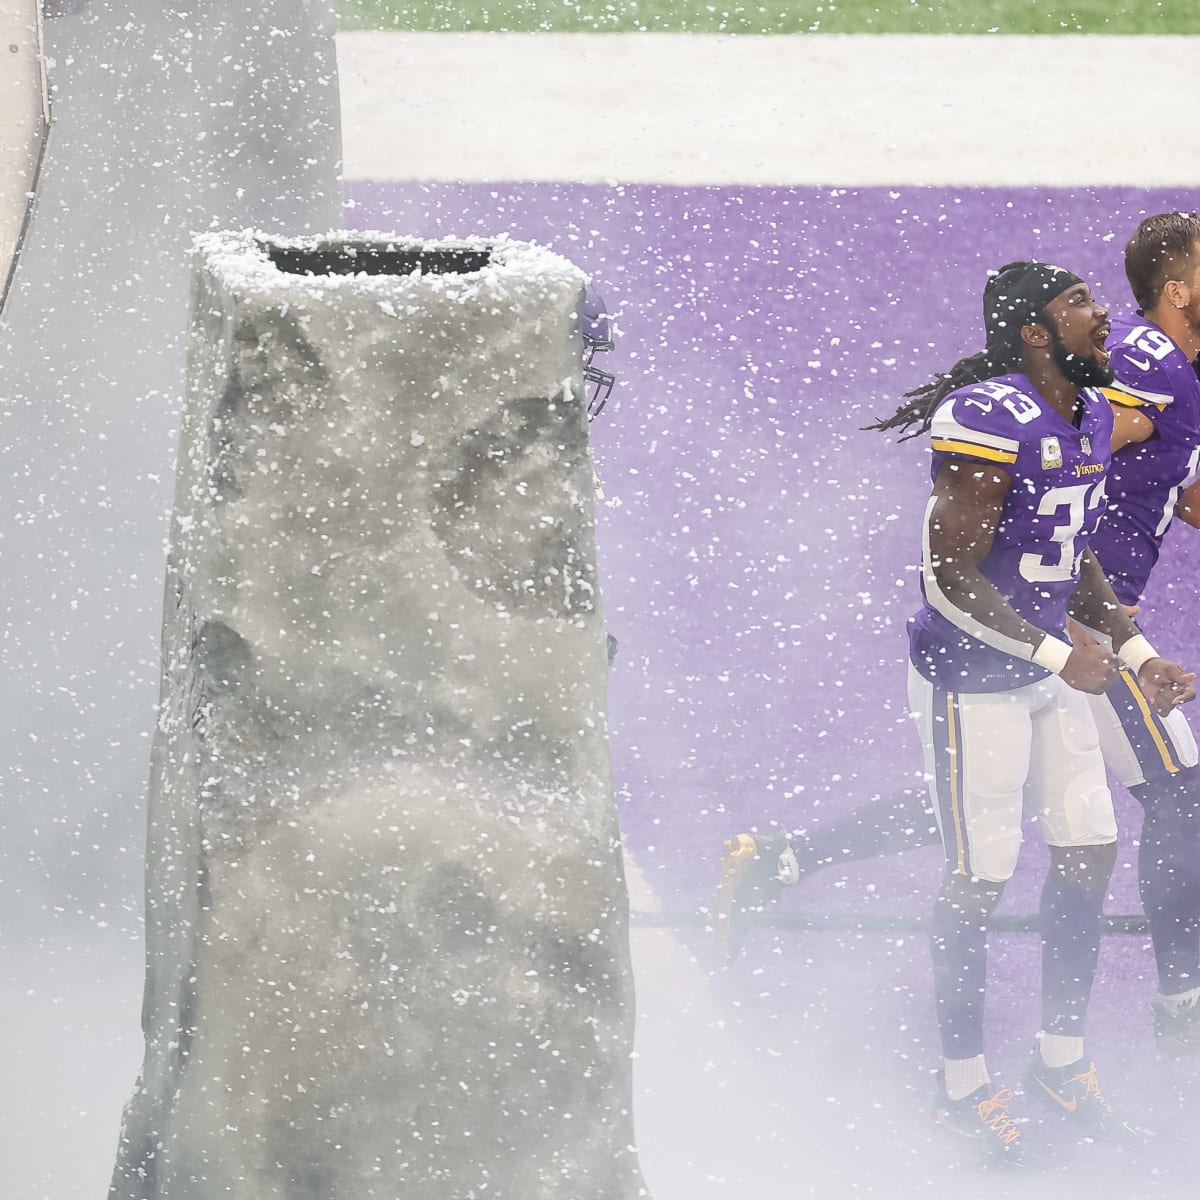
(1078, 326)
(1189, 292)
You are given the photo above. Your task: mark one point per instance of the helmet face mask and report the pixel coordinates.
(597, 329)
(599, 382)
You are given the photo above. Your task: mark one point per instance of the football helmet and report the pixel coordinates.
(597, 328)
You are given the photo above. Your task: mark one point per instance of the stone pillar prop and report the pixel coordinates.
(387, 948)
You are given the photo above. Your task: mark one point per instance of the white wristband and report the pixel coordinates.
(1136, 652)
(1052, 653)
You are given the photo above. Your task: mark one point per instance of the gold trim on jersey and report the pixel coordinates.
(955, 759)
(955, 447)
(1164, 751)
(1130, 400)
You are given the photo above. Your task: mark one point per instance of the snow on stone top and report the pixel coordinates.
(240, 261)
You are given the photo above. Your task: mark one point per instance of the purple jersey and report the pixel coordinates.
(1049, 515)
(1146, 478)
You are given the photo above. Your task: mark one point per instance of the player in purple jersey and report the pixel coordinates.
(1021, 438)
(1152, 479)
(1156, 403)
(1021, 448)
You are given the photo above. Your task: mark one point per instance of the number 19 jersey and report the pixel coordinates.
(1156, 377)
(1049, 515)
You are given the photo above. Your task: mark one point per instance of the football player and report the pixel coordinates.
(1153, 479)
(1021, 439)
(1156, 405)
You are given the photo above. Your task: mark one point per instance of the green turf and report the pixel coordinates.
(777, 16)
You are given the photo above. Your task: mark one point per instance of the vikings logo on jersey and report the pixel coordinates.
(1154, 376)
(1050, 513)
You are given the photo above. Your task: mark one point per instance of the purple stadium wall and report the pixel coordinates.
(759, 550)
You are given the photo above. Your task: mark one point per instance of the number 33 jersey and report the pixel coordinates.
(1146, 478)
(1048, 517)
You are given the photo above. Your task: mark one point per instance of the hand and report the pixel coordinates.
(1166, 684)
(1091, 668)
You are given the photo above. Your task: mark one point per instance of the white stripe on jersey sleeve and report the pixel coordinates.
(1160, 399)
(945, 426)
(955, 615)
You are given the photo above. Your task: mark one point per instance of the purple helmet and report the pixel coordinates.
(597, 329)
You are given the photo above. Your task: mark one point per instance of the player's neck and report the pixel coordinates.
(1174, 323)
(1055, 388)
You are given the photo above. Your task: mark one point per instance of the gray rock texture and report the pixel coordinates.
(387, 939)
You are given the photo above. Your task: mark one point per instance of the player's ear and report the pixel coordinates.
(1174, 293)
(1036, 335)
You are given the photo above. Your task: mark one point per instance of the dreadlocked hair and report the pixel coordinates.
(921, 403)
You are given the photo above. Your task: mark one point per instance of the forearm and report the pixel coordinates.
(1094, 605)
(968, 599)
(960, 527)
(961, 523)
(1188, 508)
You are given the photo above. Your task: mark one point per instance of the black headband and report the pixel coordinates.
(1017, 293)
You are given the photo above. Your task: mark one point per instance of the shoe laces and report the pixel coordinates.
(787, 869)
(994, 1113)
(1091, 1087)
